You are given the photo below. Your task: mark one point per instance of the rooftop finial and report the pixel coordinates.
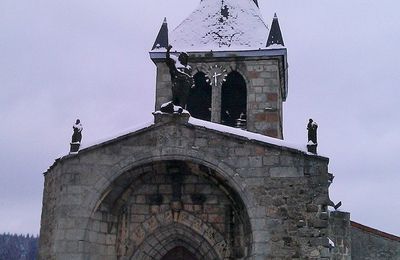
(275, 35)
(162, 37)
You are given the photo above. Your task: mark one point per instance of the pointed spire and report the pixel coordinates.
(162, 37)
(275, 34)
(256, 2)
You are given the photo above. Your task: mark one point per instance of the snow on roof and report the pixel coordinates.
(276, 46)
(119, 134)
(247, 134)
(221, 25)
(209, 125)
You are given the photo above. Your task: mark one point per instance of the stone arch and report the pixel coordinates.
(224, 171)
(222, 69)
(227, 67)
(233, 98)
(116, 195)
(185, 230)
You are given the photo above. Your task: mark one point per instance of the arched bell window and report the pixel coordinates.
(233, 99)
(199, 100)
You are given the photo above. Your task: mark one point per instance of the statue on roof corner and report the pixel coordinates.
(312, 127)
(181, 79)
(76, 137)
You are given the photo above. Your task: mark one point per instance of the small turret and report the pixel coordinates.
(256, 2)
(275, 34)
(162, 37)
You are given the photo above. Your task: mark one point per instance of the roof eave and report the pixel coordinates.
(157, 54)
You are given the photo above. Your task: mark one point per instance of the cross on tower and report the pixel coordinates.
(215, 76)
(217, 72)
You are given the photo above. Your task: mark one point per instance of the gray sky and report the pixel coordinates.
(60, 60)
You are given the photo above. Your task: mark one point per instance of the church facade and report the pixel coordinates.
(216, 182)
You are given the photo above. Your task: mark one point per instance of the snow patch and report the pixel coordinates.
(331, 243)
(246, 134)
(221, 25)
(276, 46)
(121, 133)
(78, 126)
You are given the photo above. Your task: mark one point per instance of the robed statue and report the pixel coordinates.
(76, 136)
(181, 77)
(312, 127)
(312, 131)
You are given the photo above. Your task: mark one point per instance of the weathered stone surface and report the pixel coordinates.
(265, 84)
(251, 198)
(368, 244)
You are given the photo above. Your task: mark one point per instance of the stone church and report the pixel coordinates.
(216, 182)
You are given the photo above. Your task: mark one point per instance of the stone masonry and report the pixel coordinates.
(264, 76)
(221, 196)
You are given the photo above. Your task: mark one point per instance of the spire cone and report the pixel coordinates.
(162, 37)
(275, 38)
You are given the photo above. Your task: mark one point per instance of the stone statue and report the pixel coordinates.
(76, 136)
(312, 136)
(181, 77)
(312, 131)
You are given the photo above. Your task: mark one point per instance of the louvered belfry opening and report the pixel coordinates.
(233, 99)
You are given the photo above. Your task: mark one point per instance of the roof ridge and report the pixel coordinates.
(374, 231)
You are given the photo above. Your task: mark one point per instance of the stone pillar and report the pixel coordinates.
(216, 103)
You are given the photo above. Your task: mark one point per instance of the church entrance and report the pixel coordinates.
(179, 253)
(175, 210)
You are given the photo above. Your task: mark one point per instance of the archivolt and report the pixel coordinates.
(159, 234)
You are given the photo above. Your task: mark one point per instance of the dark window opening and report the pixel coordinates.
(179, 253)
(234, 100)
(199, 100)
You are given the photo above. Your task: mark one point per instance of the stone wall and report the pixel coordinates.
(372, 244)
(99, 202)
(340, 234)
(264, 80)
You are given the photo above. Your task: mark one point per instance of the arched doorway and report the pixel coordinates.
(179, 253)
(154, 208)
(199, 100)
(233, 99)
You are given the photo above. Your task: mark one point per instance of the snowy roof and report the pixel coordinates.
(221, 25)
(208, 125)
(193, 121)
(247, 134)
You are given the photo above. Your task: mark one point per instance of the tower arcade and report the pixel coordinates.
(239, 65)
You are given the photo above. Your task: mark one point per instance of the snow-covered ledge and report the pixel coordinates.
(160, 117)
(265, 52)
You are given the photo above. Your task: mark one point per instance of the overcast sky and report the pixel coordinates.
(62, 60)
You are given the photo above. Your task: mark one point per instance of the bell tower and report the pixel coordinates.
(239, 65)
